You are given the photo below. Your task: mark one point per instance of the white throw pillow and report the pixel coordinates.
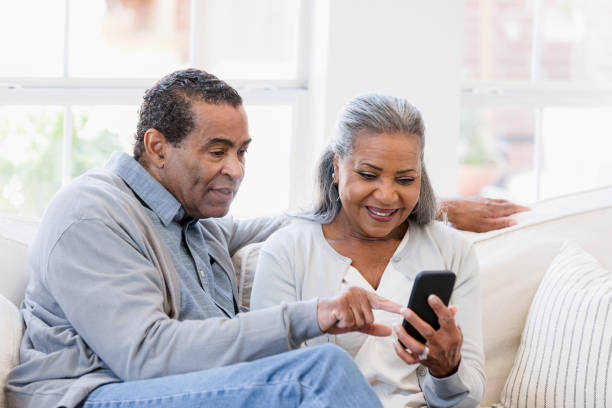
(565, 355)
(10, 339)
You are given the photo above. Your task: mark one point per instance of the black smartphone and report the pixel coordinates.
(439, 283)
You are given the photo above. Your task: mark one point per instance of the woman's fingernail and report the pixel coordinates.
(433, 299)
(405, 312)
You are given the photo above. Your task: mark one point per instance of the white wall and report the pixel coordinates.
(408, 48)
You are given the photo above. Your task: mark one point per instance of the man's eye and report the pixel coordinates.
(217, 153)
(367, 176)
(242, 152)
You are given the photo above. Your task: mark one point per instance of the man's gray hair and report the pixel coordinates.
(379, 114)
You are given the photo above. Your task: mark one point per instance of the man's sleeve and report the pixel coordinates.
(113, 296)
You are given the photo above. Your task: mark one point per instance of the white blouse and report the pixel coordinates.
(297, 263)
(394, 381)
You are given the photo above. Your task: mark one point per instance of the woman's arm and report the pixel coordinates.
(453, 354)
(465, 388)
(275, 276)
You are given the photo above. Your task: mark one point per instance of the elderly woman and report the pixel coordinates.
(373, 228)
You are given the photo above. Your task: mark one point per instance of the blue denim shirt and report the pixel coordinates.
(206, 290)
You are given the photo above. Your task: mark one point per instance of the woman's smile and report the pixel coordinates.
(380, 214)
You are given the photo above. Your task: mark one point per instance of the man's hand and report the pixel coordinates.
(480, 214)
(352, 311)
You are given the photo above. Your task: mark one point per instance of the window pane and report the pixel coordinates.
(32, 38)
(496, 154)
(576, 149)
(576, 37)
(128, 38)
(98, 131)
(250, 39)
(498, 39)
(265, 189)
(30, 157)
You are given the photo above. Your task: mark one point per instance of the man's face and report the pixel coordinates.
(205, 170)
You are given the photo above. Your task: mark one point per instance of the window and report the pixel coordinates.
(70, 97)
(30, 142)
(537, 98)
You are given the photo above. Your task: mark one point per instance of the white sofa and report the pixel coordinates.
(513, 262)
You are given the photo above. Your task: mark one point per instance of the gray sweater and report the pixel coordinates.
(103, 300)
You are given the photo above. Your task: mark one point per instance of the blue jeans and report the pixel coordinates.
(323, 376)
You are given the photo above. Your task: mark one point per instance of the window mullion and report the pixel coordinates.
(538, 165)
(535, 77)
(67, 146)
(304, 42)
(66, 38)
(535, 41)
(194, 33)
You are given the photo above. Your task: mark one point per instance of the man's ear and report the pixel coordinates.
(155, 148)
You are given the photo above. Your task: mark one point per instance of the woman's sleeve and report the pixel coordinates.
(275, 276)
(465, 388)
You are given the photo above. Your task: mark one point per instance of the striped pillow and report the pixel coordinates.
(565, 355)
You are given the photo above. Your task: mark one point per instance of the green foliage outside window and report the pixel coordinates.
(31, 158)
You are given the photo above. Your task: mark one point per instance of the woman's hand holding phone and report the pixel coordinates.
(444, 344)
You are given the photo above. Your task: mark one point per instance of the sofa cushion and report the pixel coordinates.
(16, 233)
(245, 263)
(10, 338)
(565, 352)
(514, 260)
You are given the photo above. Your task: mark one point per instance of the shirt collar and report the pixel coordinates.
(146, 187)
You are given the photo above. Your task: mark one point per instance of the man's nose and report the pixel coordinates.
(234, 168)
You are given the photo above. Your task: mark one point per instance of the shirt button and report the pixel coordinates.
(397, 259)
(201, 273)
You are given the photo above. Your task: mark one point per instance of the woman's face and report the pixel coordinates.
(379, 183)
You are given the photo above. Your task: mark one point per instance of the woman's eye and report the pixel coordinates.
(367, 176)
(217, 153)
(406, 180)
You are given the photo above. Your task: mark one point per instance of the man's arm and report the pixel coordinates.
(478, 214)
(117, 301)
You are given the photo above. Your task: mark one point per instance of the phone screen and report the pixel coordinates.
(439, 283)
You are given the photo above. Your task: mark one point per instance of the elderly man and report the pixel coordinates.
(132, 296)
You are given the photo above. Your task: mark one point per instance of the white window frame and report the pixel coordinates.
(69, 91)
(535, 93)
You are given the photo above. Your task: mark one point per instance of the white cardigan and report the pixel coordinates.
(297, 263)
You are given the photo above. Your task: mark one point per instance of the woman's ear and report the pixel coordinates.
(155, 148)
(336, 169)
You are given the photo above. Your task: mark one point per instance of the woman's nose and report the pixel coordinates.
(386, 193)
